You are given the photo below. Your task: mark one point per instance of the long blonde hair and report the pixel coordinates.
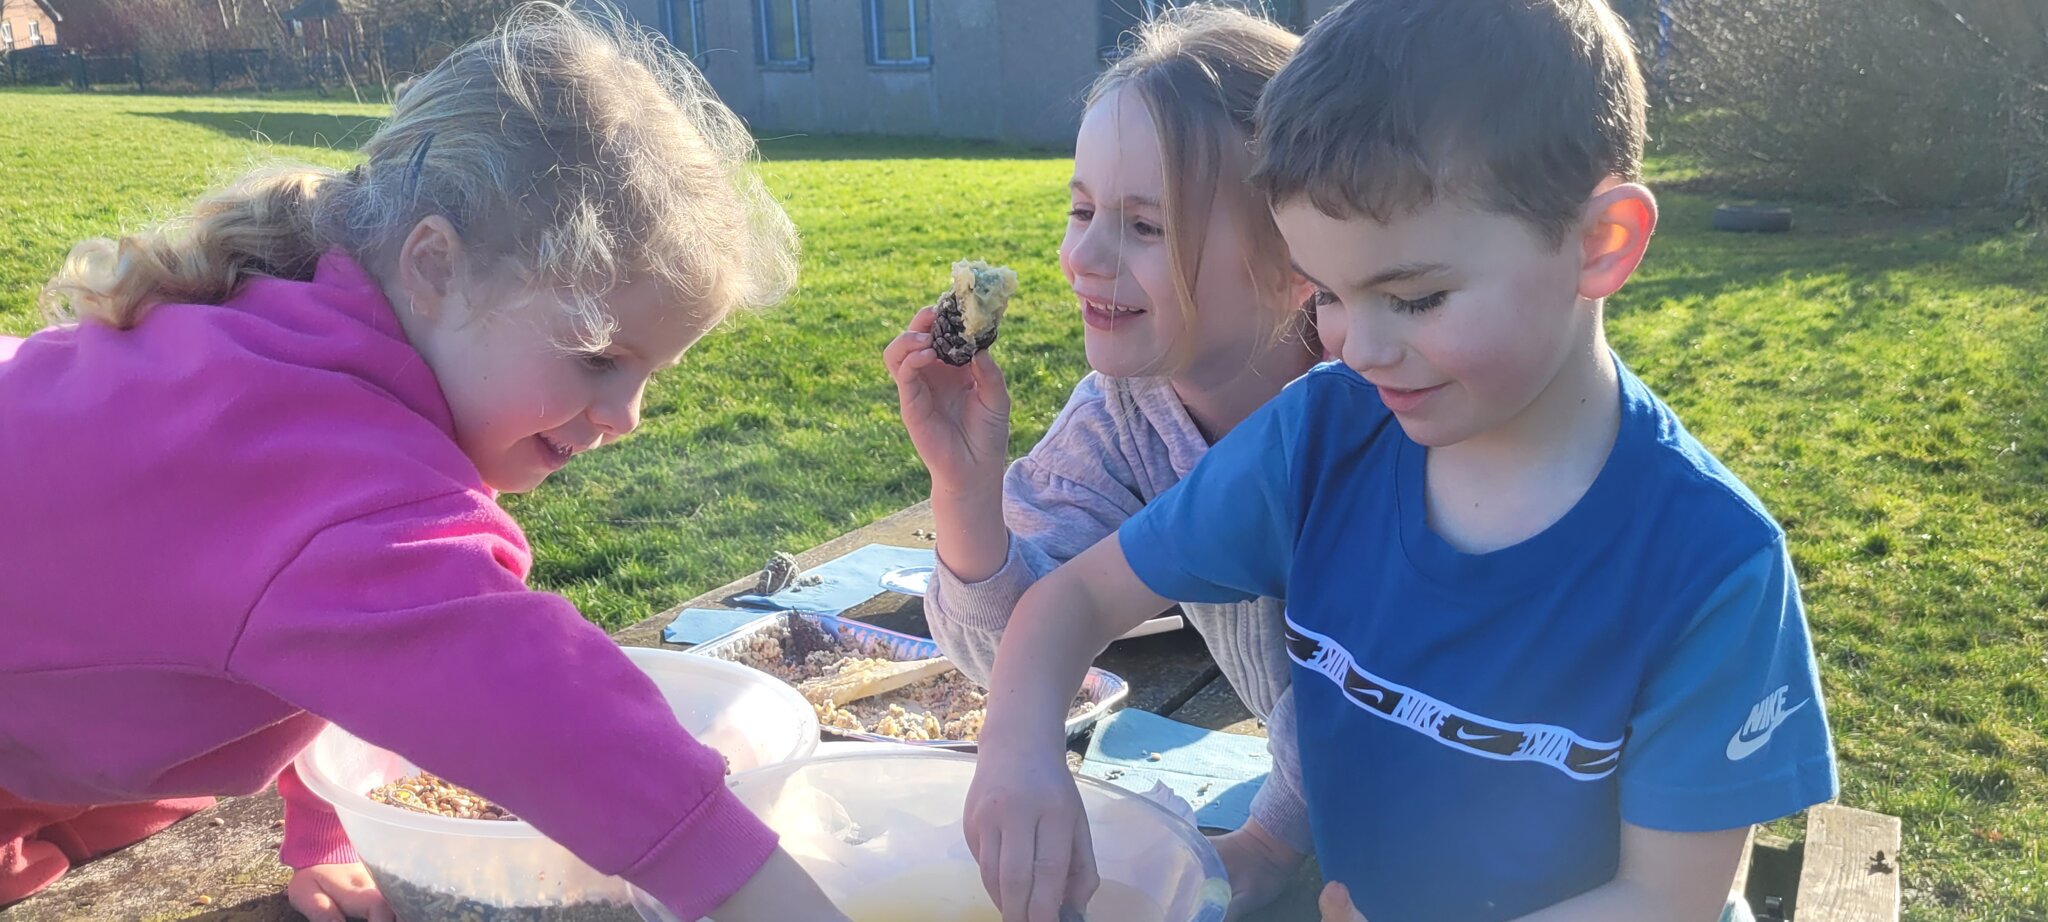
(570, 144)
(1199, 69)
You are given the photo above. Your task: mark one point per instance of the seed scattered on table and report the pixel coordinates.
(1151, 757)
(204, 900)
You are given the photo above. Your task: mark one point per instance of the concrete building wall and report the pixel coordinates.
(1049, 55)
(1008, 70)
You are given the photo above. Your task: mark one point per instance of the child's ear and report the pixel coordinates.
(429, 262)
(1619, 221)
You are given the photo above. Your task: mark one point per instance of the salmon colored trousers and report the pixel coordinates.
(39, 842)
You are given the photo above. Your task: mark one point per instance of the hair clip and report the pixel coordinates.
(419, 163)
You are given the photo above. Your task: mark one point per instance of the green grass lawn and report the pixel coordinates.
(1880, 380)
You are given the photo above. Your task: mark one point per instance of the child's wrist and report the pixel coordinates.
(1022, 736)
(973, 488)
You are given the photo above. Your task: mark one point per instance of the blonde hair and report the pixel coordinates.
(1199, 69)
(570, 144)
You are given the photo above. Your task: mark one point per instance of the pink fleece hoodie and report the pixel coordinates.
(231, 524)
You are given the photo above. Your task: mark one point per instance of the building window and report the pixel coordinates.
(786, 33)
(900, 32)
(35, 31)
(6, 34)
(685, 25)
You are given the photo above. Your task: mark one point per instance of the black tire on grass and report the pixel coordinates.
(1753, 219)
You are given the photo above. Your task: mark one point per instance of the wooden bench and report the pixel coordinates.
(221, 865)
(1845, 870)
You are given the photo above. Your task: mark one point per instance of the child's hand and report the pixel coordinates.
(1336, 905)
(958, 418)
(781, 891)
(1028, 832)
(1259, 866)
(334, 892)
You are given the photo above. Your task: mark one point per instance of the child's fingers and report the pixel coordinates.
(1336, 906)
(903, 346)
(364, 901)
(989, 380)
(1055, 854)
(317, 906)
(922, 322)
(1082, 878)
(989, 855)
(1013, 868)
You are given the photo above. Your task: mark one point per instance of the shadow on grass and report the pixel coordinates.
(321, 130)
(1689, 261)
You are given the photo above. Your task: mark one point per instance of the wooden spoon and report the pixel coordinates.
(874, 679)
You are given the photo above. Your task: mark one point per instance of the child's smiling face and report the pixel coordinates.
(524, 397)
(1461, 318)
(1116, 255)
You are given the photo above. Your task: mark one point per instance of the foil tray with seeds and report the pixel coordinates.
(943, 712)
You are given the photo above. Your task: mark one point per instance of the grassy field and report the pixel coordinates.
(1878, 378)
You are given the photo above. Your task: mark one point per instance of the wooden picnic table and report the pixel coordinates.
(221, 865)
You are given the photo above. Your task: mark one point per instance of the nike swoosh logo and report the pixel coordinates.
(1740, 748)
(1465, 735)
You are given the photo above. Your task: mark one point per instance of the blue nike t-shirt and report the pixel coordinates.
(1475, 728)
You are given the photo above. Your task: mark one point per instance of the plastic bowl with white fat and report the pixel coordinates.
(880, 830)
(433, 867)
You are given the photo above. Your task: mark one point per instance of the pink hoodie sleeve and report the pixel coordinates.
(413, 629)
(312, 833)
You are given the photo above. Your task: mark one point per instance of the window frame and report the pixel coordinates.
(7, 34)
(35, 33)
(919, 29)
(695, 10)
(800, 16)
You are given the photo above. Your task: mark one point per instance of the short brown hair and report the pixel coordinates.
(1520, 107)
(1199, 69)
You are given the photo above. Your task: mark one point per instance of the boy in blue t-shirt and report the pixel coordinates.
(1551, 658)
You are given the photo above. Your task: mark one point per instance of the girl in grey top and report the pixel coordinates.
(1193, 320)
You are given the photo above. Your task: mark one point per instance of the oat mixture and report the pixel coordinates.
(945, 707)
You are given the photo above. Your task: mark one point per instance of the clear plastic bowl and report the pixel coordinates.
(432, 867)
(874, 823)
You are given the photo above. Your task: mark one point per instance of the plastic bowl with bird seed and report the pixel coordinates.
(797, 651)
(428, 793)
(413, 901)
(967, 315)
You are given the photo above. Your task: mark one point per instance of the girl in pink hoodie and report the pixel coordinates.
(250, 490)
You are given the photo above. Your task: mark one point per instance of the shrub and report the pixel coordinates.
(1907, 102)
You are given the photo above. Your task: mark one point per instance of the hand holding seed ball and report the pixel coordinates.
(968, 314)
(953, 399)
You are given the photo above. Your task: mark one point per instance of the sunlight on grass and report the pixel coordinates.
(1877, 379)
